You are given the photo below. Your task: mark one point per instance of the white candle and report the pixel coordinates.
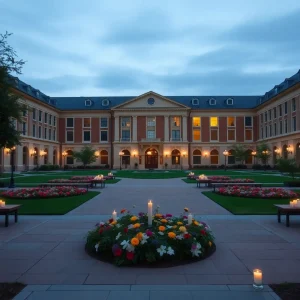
(292, 203)
(114, 215)
(190, 219)
(257, 275)
(150, 213)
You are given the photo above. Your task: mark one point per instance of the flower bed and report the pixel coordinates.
(53, 192)
(69, 181)
(218, 178)
(130, 241)
(77, 178)
(255, 192)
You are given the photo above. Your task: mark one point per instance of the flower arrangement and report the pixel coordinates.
(255, 192)
(99, 177)
(129, 240)
(53, 192)
(203, 177)
(69, 181)
(219, 178)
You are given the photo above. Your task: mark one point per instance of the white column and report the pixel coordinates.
(184, 129)
(117, 129)
(167, 128)
(134, 129)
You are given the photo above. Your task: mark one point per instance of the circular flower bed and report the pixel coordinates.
(53, 192)
(129, 240)
(255, 192)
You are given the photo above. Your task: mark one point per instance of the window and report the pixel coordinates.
(86, 122)
(231, 135)
(270, 130)
(266, 117)
(46, 118)
(70, 158)
(285, 107)
(214, 122)
(70, 122)
(175, 121)
(24, 127)
(229, 101)
(24, 113)
(33, 130)
(231, 157)
(150, 121)
(248, 121)
(105, 102)
(214, 157)
(285, 126)
(87, 102)
(125, 135)
(248, 135)
(50, 134)
(103, 136)
(103, 122)
(214, 134)
(126, 122)
(175, 135)
(40, 116)
(33, 114)
(70, 136)
(270, 114)
(54, 121)
(294, 125)
(104, 157)
(280, 110)
(45, 133)
(261, 118)
(50, 119)
(266, 131)
(40, 132)
(261, 133)
(275, 129)
(150, 134)
(196, 135)
(197, 157)
(196, 121)
(293, 104)
(280, 127)
(86, 136)
(212, 101)
(274, 113)
(230, 121)
(54, 135)
(195, 101)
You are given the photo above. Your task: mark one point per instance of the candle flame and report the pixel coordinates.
(150, 202)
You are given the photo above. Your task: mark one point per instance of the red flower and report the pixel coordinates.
(130, 255)
(118, 252)
(125, 229)
(100, 230)
(110, 220)
(203, 232)
(187, 236)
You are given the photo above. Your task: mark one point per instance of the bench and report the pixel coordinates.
(225, 184)
(52, 184)
(109, 177)
(95, 182)
(206, 182)
(287, 210)
(9, 209)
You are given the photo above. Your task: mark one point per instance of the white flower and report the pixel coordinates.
(179, 237)
(118, 236)
(96, 247)
(130, 248)
(101, 223)
(196, 250)
(130, 226)
(144, 238)
(161, 250)
(118, 225)
(125, 244)
(169, 226)
(170, 251)
(161, 233)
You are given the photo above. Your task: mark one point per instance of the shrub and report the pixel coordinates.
(48, 167)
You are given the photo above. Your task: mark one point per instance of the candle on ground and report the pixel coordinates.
(190, 219)
(114, 215)
(257, 275)
(150, 213)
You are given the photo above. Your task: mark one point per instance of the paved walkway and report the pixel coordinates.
(49, 250)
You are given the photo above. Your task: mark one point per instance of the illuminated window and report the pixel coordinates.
(196, 135)
(230, 121)
(196, 121)
(214, 122)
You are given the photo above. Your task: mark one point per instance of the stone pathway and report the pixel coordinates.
(49, 250)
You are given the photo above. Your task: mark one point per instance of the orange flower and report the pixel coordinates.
(139, 236)
(123, 210)
(113, 223)
(161, 228)
(210, 243)
(164, 221)
(136, 225)
(133, 218)
(186, 209)
(196, 223)
(171, 235)
(134, 241)
(158, 215)
(179, 223)
(182, 229)
(174, 227)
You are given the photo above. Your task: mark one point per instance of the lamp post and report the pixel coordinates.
(265, 157)
(121, 153)
(12, 162)
(253, 153)
(289, 149)
(183, 156)
(64, 154)
(225, 155)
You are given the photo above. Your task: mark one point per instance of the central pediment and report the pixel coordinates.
(149, 101)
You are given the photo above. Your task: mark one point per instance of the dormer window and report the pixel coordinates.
(212, 101)
(229, 101)
(105, 102)
(88, 103)
(195, 102)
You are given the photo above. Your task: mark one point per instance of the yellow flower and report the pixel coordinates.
(179, 223)
(164, 221)
(171, 235)
(196, 223)
(161, 228)
(158, 215)
(186, 209)
(134, 241)
(113, 223)
(174, 227)
(182, 229)
(139, 236)
(210, 243)
(133, 218)
(136, 225)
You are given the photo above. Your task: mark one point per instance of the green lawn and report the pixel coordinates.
(247, 206)
(50, 206)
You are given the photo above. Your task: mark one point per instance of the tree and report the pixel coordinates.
(86, 155)
(10, 107)
(288, 165)
(240, 152)
(263, 153)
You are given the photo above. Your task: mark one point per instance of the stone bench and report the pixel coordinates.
(287, 210)
(95, 182)
(8, 210)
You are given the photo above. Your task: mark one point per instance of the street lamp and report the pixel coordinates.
(253, 153)
(12, 162)
(121, 153)
(64, 154)
(265, 157)
(289, 149)
(225, 155)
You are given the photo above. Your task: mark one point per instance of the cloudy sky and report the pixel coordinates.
(95, 48)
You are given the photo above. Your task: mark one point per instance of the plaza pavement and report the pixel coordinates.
(47, 252)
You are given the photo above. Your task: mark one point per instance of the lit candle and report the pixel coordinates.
(114, 215)
(257, 275)
(292, 203)
(190, 219)
(150, 213)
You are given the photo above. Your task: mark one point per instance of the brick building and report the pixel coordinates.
(152, 130)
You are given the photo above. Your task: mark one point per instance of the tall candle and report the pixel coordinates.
(257, 274)
(114, 215)
(150, 213)
(190, 219)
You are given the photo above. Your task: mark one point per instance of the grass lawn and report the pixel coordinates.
(247, 206)
(50, 206)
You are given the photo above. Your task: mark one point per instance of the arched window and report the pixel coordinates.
(35, 156)
(284, 152)
(126, 157)
(104, 157)
(54, 157)
(197, 157)
(70, 158)
(45, 156)
(214, 157)
(175, 157)
(231, 157)
(249, 157)
(298, 154)
(25, 156)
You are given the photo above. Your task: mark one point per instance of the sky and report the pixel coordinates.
(127, 48)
